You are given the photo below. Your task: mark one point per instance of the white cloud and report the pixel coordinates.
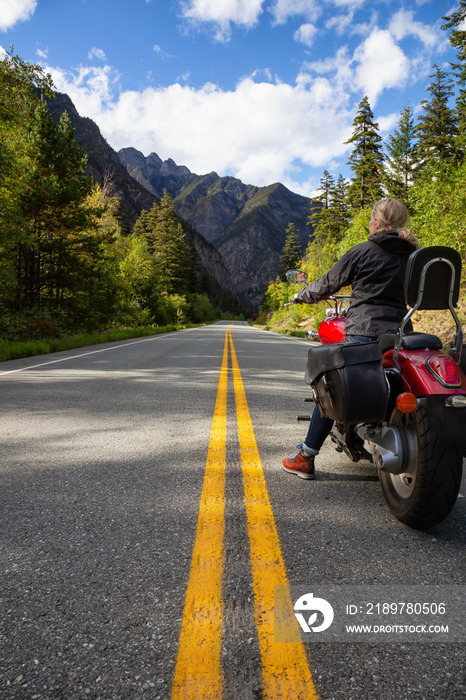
(283, 9)
(96, 53)
(260, 132)
(388, 122)
(13, 11)
(222, 13)
(265, 72)
(340, 23)
(402, 24)
(345, 26)
(350, 4)
(90, 88)
(381, 64)
(163, 55)
(306, 33)
(339, 67)
(263, 130)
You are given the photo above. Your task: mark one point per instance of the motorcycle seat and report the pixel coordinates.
(411, 341)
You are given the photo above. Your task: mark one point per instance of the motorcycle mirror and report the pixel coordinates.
(296, 277)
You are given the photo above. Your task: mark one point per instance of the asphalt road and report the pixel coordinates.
(105, 452)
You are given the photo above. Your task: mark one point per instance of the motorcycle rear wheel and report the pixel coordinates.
(426, 492)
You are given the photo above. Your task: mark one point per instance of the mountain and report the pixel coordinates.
(238, 230)
(246, 224)
(154, 174)
(104, 165)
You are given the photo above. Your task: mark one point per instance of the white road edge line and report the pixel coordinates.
(90, 352)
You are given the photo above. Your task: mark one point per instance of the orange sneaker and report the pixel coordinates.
(302, 465)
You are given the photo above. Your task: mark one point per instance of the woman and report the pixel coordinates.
(375, 270)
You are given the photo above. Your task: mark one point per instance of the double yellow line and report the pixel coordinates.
(198, 672)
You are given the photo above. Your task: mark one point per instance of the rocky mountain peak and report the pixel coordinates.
(170, 169)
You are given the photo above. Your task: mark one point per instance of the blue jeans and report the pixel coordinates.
(321, 426)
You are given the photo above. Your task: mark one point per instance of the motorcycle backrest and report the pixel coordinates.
(432, 279)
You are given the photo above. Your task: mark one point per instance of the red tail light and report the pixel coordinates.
(444, 369)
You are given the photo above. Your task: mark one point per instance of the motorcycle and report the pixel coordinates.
(399, 402)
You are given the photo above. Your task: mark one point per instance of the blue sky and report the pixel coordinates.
(264, 90)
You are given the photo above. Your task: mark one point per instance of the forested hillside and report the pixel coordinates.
(68, 259)
(422, 163)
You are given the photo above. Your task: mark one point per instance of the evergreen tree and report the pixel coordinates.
(329, 210)
(401, 162)
(98, 288)
(321, 216)
(52, 205)
(341, 214)
(18, 80)
(291, 252)
(455, 22)
(172, 257)
(173, 254)
(366, 160)
(437, 124)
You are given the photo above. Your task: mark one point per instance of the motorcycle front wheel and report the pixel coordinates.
(426, 492)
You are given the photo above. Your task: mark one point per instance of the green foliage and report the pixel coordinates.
(438, 204)
(27, 348)
(357, 232)
(277, 294)
(202, 309)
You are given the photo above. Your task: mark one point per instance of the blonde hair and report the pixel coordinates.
(392, 215)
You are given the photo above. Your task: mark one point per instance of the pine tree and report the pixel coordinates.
(366, 160)
(329, 210)
(321, 218)
(291, 252)
(173, 259)
(52, 204)
(437, 124)
(18, 80)
(340, 209)
(455, 22)
(401, 162)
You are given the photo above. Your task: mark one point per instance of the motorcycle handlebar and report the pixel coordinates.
(333, 297)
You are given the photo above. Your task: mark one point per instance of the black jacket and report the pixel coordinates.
(375, 269)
